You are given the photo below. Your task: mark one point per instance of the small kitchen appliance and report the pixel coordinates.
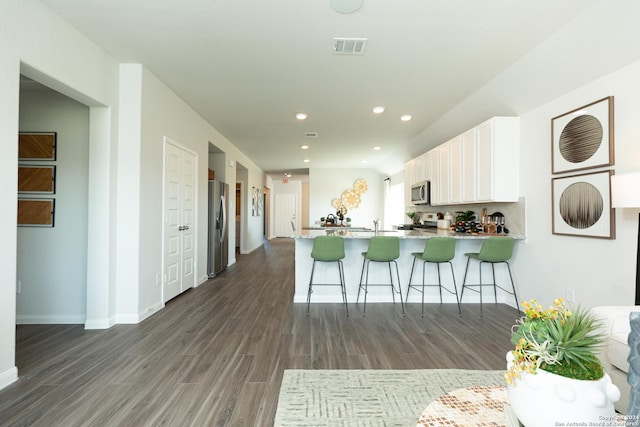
(421, 193)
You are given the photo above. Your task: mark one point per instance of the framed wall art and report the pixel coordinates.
(582, 205)
(583, 138)
(36, 179)
(36, 212)
(255, 194)
(37, 145)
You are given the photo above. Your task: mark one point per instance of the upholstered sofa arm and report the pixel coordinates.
(614, 319)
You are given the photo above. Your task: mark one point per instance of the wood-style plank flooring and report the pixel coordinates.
(216, 354)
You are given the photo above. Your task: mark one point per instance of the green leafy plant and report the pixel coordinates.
(465, 216)
(556, 340)
(411, 215)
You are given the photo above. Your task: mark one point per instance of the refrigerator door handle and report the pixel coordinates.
(223, 215)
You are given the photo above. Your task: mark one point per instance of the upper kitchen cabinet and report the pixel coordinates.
(423, 168)
(455, 170)
(441, 175)
(497, 147)
(418, 170)
(478, 166)
(468, 166)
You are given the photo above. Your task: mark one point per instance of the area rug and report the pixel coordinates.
(357, 398)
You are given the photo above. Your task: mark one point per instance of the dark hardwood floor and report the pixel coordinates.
(216, 354)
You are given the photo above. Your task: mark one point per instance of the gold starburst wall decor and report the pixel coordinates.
(352, 197)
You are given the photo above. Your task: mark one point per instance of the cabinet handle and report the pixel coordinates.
(181, 228)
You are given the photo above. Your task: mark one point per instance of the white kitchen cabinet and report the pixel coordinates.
(410, 172)
(434, 162)
(480, 165)
(497, 148)
(455, 170)
(468, 165)
(443, 182)
(423, 168)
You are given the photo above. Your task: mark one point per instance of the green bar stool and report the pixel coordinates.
(494, 250)
(381, 249)
(438, 250)
(328, 249)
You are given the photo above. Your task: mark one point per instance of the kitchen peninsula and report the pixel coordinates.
(356, 242)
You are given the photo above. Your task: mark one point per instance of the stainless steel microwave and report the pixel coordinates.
(421, 193)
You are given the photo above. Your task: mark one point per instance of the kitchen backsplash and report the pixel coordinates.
(514, 212)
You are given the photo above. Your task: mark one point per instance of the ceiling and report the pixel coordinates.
(248, 67)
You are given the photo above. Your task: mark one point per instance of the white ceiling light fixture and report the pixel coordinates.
(301, 116)
(304, 147)
(306, 160)
(349, 46)
(377, 148)
(405, 117)
(346, 6)
(363, 161)
(378, 110)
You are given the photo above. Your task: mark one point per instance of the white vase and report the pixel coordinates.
(544, 399)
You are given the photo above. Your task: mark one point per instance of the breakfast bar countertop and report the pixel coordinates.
(363, 233)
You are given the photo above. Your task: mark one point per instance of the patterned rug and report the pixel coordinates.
(368, 397)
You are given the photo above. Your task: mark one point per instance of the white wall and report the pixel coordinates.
(164, 114)
(52, 262)
(328, 184)
(43, 46)
(10, 89)
(602, 272)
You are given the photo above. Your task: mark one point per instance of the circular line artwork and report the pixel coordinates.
(581, 205)
(580, 138)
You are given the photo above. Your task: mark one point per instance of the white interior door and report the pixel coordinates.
(285, 214)
(179, 225)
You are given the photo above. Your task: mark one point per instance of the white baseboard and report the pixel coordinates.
(8, 377)
(248, 251)
(150, 310)
(36, 319)
(99, 323)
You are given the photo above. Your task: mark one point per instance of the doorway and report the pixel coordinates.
(51, 261)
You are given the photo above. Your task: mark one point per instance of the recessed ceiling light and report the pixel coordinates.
(363, 161)
(301, 116)
(306, 160)
(346, 6)
(377, 147)
(304, 147)
(378, 110)
(405, 118)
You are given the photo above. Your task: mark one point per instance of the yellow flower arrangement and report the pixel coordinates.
(557, 340)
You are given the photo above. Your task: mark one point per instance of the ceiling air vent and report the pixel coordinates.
(311, 134)
(345, 46)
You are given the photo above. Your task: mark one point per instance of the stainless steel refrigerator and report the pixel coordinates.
(218, 227)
